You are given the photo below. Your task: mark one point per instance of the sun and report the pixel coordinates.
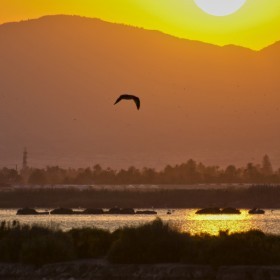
(220, 7)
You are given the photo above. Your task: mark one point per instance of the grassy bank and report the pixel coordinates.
(155, 242)
(260, 196)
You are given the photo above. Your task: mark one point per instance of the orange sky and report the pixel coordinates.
(216, 105)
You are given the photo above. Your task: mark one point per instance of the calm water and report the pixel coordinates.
(184, 219)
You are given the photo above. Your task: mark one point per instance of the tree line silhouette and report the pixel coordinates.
(189, 172)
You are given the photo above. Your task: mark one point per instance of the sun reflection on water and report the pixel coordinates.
(184, 220)
(212, 224)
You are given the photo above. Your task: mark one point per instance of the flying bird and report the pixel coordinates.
(129, 97)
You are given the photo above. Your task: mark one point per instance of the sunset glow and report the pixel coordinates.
(256, 25)
(139, 132)
(213, 224)
(220, 7)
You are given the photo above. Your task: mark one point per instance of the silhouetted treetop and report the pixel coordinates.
(189, 172)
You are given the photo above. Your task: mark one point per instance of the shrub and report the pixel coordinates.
(50, 248)
(150, 243)
(91, 242)
(245, 248)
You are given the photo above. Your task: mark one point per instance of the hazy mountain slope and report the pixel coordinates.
(60, 75)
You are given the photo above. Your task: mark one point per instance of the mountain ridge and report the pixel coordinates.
(127, 25)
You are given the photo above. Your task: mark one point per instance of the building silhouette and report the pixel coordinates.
(24, 159)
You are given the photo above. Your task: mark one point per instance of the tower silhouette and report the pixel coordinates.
(24, 169)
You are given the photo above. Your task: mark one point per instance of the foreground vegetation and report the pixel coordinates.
(155, 242)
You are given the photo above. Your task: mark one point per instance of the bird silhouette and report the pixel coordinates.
(129, 97)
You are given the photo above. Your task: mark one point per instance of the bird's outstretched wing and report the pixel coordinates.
(129, 97)
(137, 101)
(118, 100)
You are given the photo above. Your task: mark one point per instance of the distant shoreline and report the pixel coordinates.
(263, 196)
